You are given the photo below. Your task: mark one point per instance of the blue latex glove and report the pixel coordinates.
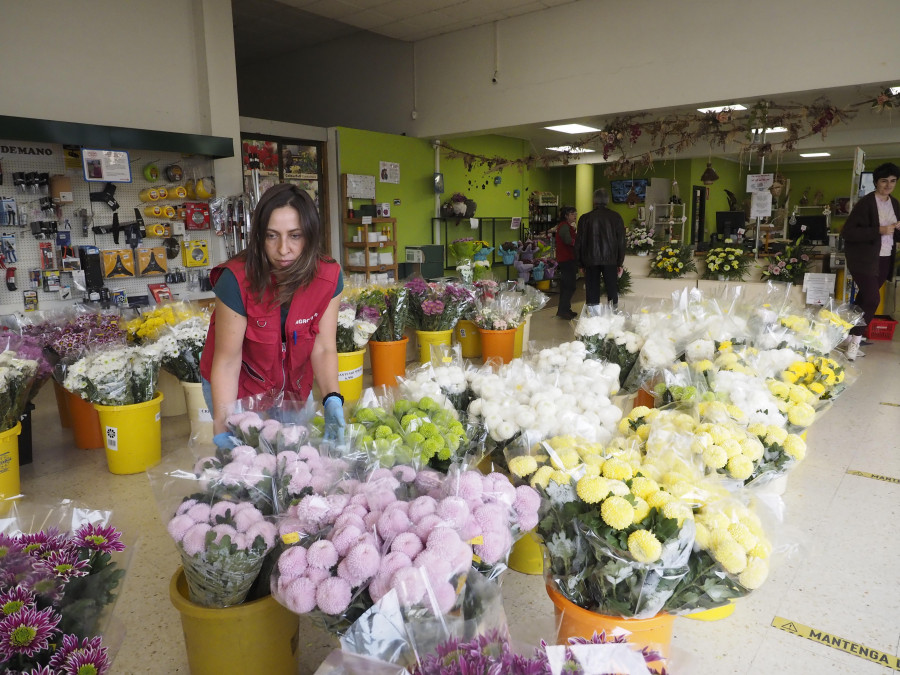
(225, 441)
(334, 420)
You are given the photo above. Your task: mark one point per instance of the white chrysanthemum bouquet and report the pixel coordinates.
(119, 375)
(181, 347)
(16, 377)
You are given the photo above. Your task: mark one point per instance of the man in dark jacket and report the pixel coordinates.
(600, 249)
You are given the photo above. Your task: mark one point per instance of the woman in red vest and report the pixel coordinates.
(565, 256)
(275, 321)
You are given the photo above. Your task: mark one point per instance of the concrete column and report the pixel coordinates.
(584, 187)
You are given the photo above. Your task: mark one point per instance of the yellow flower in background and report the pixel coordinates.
(643, 487)
(658, 499)
(701, 535)
(616, 469)
(617, 513)
(523, 466)
(638, 412)
(736, 413)
(790, 376)
(541, 477)
(742, 535)
(715, 457)
(624, 426)
(593, 459)
(763, 549)
(817, 388)
(703, 365)
(752, 448)
(732, 447)
(644, 546)
(731, 555)
(754, 574)
(560, 477)
(725, 345)
(801, 415)
(641, 510)
(592, 489)
(678, 511)
(775, 435)
(643, 432)
(591, 470)
(566, 459)
(779, 389)
(757, 429)
(740, 467)
(795, 447)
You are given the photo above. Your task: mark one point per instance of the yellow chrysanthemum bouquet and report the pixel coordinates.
(618, 543)
(726, 262)
(151, 323)
(823, 376)
(672, 262)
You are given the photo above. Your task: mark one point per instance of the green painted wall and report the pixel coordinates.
(361, 151)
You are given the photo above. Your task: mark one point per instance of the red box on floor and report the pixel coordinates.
(881, 328)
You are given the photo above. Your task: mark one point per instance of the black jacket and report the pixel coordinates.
(600, 239)
(862, 243)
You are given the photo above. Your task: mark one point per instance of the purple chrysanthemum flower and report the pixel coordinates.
(368, 313)
(432, 307)
(102, 538)
(64, 564)
(27, 632)
(9, 545)
(417, 286)
(85, 657)
(14, 599)
(38, 544)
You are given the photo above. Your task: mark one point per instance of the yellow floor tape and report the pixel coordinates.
(836, 642)
(874, 476)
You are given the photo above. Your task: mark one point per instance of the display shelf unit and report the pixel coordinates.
(667, 219)
(543, 211)
(493, 230)
(370, 243)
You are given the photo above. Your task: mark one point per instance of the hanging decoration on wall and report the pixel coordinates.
(729, 130)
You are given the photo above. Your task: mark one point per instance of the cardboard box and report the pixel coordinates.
(152, 260)
(61, 190)
(118, 263)
(31, 300)
(194, 253)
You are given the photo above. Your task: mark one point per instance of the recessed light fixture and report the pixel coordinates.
(721, 108)
(568, 148)
(815, 154)
(895, 91)
(771, 130)
(572, 128)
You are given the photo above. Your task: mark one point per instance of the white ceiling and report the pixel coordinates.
(267, 28)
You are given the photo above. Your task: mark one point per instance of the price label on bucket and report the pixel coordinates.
(112, 438)
(203, 415)
(346, 375)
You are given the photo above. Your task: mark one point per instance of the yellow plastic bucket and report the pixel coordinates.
(519, 342)
(259, 636)
(9, 461)
(350, 374)
(132, 435)
(542, 285)
(198, 413)
(713, 614)
(173, 397)
(526, 555)
(468, 338)
(427, 338)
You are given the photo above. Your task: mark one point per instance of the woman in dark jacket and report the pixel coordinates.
(870, 232)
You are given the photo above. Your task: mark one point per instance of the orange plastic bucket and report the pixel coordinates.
(388, 361)
(644, 397)
(498, 344)
(85, 423)
(62, 405)
(575, 621)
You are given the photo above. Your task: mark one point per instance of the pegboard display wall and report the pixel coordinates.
(27, 252)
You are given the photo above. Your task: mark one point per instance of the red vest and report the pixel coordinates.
(564, 251)
(269, 365)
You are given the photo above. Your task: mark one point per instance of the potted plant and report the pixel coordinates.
(639, 239)
(789, 266)
(508, 252)
(672, 262)
(458, 203)
(726, 263)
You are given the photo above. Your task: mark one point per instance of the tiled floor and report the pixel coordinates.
(838, 574)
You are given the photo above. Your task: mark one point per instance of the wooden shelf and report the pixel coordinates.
(371, 268)
(374, 221)
(368, 251)
(373, 244)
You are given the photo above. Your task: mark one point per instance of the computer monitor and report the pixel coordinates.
(728, 223)
(814, 229)
(621, 188)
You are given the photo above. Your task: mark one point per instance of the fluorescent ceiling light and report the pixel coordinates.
(572, 128)
(895, 91)
(720, 108)
(568, 148)
(815, 154)
(771, 130)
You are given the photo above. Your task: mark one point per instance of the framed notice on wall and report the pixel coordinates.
(105, 166)
(358, 186)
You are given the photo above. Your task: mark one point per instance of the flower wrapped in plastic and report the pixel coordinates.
(436, 306)
(466, 248)
(357, 321)
(304, 471)
(152, 323)
(253, 415)
(446, 382)
(618, 543)
(392, 302)
(726, 262)
(17, 376)
(61, 568)
(399, 530)
(789, 266)
(117, 375)
(509, 250)
(404, 431)
(604, 334)
(29, 348)
(672, 262)
(639, 238)
(182, 345)
(223, 539)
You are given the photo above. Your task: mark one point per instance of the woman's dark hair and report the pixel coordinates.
(286, 281)
(885, 170)
(565, 211)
